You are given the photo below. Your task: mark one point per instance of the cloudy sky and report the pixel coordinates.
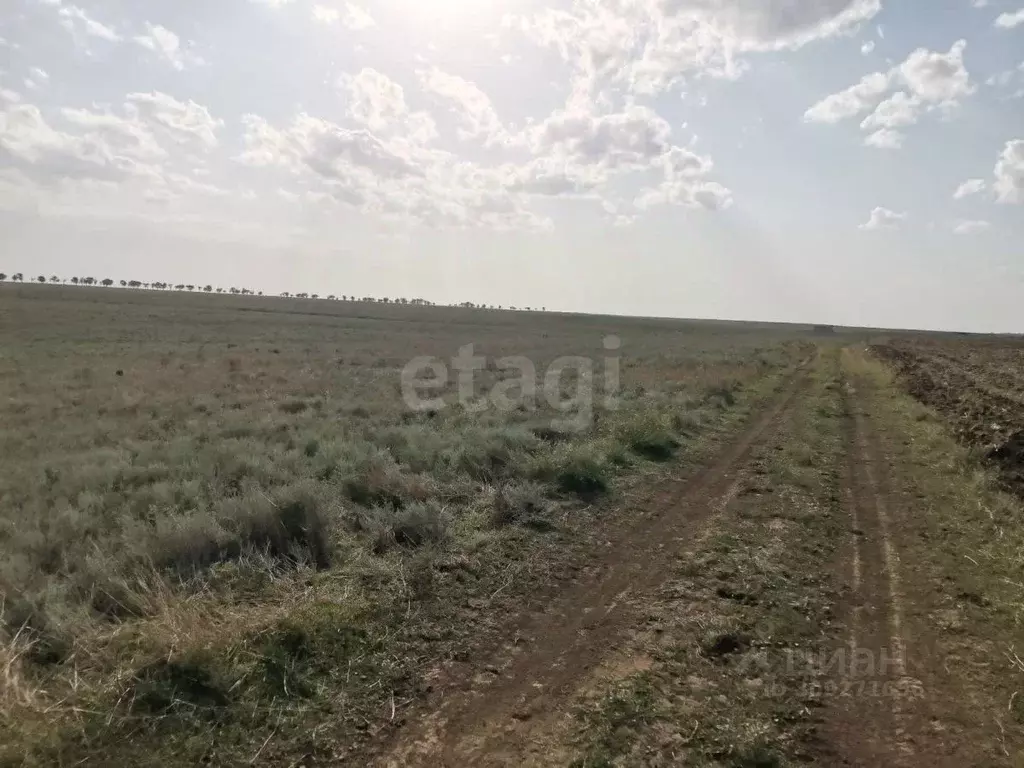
(847, 161)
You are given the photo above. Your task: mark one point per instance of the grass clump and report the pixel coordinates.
(306, 646)
(650, 438)
(409, 527)
(376, 480)
(493, 454)
(293, 407)
(583, 474)
(291, 527)
(519, 502)
(721, 395)
(189, 687)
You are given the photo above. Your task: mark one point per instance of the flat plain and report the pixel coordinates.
(227, 538)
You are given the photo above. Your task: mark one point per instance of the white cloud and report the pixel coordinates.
(939, 78)
(705, 194)
(549, 177)
(471, 106)
(1009, 173)
(884, 138)
(325, 14)
(9, 96)
(776, 24)
(969, 187)
(1010, 20)
(850, 102)
(36, 79)
(390, 178)
(631, 138)
(970, 227)
(356, 18)
(273, 3)
(187, 124)
(650, 46)
(135, 146)
(932, 81)
(374, 98)
(167, 46)
(685, 183)
(883, 218)
(378, 102)
(29, 141)
(127, 136)
(897, 111)
(867, 47)
(77, 21)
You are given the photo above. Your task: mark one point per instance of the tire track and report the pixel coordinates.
(877, 718)
(488, 721)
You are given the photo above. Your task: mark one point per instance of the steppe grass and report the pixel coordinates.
(210, 518)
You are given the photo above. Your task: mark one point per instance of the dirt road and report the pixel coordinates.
(794, 543)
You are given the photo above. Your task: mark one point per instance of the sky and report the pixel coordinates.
(855, 162)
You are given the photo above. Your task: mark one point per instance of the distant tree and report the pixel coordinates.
(2, 277)
(285, 294)
(332, 297)
(40, 279)
(179, 287)
(90, 280)
(220, 290)
(315, 296)
(302, 295)
(134, 284)
(54, 279)
(260, 293)
(124, 283)
(190, 287)
(107, 282)
(207, 288)
(74, 281)
(18, 277)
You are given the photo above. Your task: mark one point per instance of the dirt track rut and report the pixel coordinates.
(893, 700)
(876, 715)
(898, 702)
(487, 719)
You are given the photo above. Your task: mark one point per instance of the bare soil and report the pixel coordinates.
(982, 397)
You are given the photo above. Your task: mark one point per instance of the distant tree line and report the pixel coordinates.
(156, 285)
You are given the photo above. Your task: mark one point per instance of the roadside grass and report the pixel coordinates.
(735, 637)
(213, 540)
(978, 529)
